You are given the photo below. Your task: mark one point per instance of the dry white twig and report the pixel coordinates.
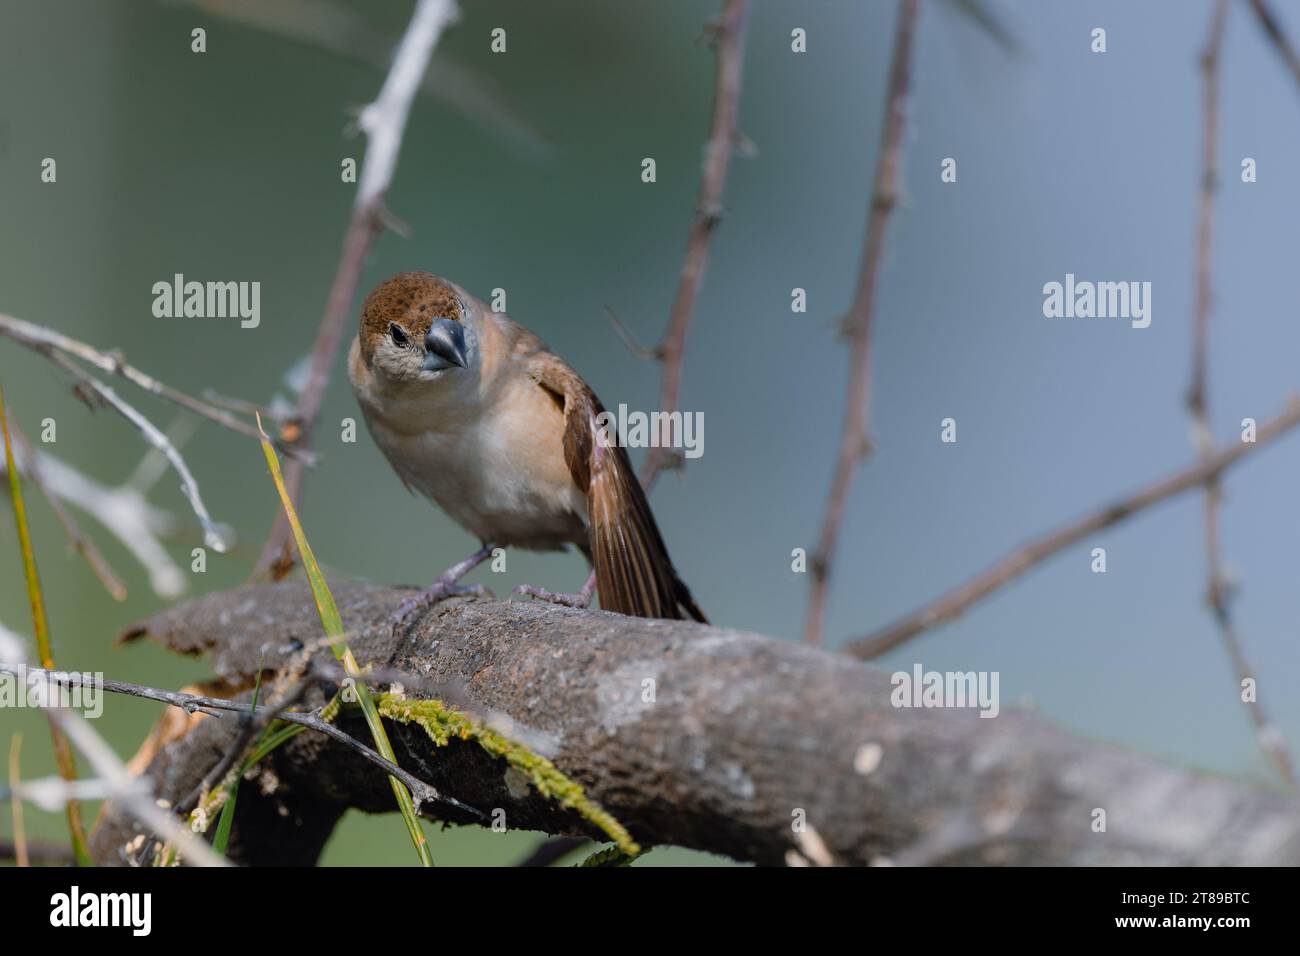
(384, 120)
(52, 794)
(48, 342)
(124, 511)
(131, 792)
(113, 779)
(212, 537)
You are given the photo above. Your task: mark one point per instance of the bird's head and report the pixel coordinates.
(417, 327)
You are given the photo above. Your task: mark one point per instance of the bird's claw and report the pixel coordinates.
(579, 600)
(441, 590)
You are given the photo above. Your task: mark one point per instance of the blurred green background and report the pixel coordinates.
(523, 172)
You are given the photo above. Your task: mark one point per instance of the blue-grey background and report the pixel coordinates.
(226, 166)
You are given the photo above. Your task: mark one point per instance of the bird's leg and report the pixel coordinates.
(446, 586)
(581, 599)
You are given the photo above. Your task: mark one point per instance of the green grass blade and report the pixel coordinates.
(227, 819)
(62, 748)
(333, 624)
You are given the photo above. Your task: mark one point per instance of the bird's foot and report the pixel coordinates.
(441, 591)
(447, 586)
(581, 600)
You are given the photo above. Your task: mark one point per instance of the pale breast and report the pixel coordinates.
(500, 476)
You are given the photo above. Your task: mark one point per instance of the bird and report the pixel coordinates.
(474, 412)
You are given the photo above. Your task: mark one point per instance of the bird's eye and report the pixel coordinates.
(398, 336)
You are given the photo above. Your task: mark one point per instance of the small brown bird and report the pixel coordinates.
(474, 411)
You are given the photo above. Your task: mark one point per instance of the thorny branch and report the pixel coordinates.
(1207, 474)
(1218, 590)
(212, 537)
(421, 792)
(47, 341)
(128, 791)
(383, 122)
(952, 604)
(855, 439)
(728, 38)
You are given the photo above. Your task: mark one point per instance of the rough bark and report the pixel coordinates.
(745, 738)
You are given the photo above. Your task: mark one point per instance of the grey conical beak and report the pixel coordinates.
(444, 345)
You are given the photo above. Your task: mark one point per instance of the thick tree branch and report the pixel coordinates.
(701, 737)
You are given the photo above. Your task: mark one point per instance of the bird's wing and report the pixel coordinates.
(634, 574)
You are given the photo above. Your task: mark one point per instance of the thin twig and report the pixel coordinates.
(1218, 593)
(53, 794)
(198, 703)
(239, 405)
(43, 340)
(1196, 395)
(855, 442)
(129, 791)
(251, 724)
(30, 466)
(728, 39)
(124, 511)
(633, 346)
(153, 463)
(951, 605)
(212, 537)
(16, 804)
(116, 781)
(1273, 30)
(383, 122)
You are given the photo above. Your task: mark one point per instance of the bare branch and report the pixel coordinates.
(383, 122)
(1196, 397)
(855, 439)
(728, 38)
(48, 341)
(955, 602)
(128, 791)
(29, 467)
(114, 780)
(421, 792)
(53, 794)
(775, 735)
(252, 721)
(212, 537)
(124, 511)
(1273, 30)
(1218, 593)
(633, 346)
(354, 32)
